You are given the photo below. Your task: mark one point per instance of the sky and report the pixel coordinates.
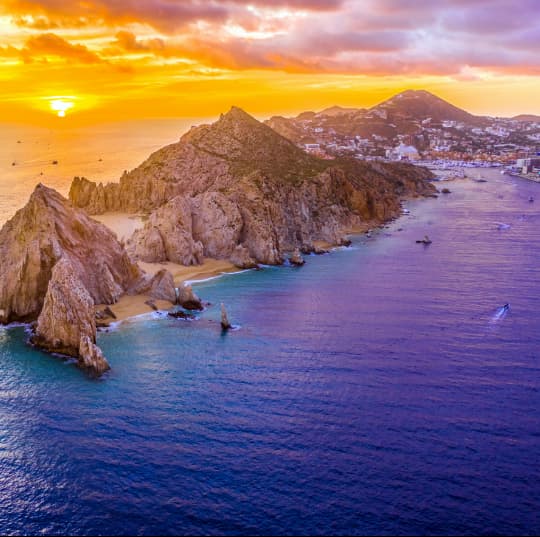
(101, 60)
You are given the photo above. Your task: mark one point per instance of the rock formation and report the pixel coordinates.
(168, 236)
(66, 324)
(91, 357)
(159, 287)
(188, 299)
(56, 264)
(296, 258)
(237, 190)
(46, 230)
(225, 324)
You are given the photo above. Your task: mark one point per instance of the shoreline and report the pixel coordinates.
(129, 306)
(132, 306)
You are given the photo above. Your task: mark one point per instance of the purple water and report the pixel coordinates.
(377, 390)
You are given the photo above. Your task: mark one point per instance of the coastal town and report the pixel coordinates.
(421, 128)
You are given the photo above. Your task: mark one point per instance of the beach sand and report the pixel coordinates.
(181, 273)
(123, 224)
(130, 306)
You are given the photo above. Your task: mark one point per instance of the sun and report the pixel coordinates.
(61, 104)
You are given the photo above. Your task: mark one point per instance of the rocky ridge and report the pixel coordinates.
(237, 190)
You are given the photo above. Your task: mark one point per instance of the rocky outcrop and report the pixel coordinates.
(237, 190)
(188, 299)
(91, 357)
(225, 324)
(296, 258)
(66, 324)
(46, 230)
(241, 258)
(168, 236)
(159, 287)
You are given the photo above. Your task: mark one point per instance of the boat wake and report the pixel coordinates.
(500, 314)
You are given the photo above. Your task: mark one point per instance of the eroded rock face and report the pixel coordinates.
(217, 224)
(241, 258)
(41, 233)
(168, 236)
(188, 299)
(159, 287)
(237, 190)
(66, 324)
(91, 357)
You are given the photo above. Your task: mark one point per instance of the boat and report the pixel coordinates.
(425, 240)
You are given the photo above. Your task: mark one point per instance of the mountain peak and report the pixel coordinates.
(419, 105)
(237, 114)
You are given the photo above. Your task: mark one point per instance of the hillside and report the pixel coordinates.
(238, 190)
(434, 127)
(420, 105)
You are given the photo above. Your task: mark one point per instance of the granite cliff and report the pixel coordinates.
(67, 324)
(56, 264)
(45, 230)
(237, 190)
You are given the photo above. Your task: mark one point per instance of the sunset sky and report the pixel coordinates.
(97, 60)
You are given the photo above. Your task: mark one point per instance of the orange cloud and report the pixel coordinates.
(50, 44)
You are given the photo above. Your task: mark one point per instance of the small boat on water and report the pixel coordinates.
(531, 199)
(425, 240)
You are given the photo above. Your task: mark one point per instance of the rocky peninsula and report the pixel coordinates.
(231, 192)
(56, 264)
(239, 191)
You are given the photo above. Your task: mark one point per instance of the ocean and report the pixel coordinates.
(30, 155)
(379, 389)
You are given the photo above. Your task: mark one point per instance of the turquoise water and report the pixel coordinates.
(380, 389)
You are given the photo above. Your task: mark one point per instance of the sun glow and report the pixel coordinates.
(61, 105)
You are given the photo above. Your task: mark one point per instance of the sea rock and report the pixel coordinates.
(225, 324)
(46, 230)
(66, 324)
(241, 258)
(91, 357)
(188, 299)
(160, 286)
(296, 258)
(179, 314)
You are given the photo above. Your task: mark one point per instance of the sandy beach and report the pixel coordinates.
(130, 306)
(123, 224)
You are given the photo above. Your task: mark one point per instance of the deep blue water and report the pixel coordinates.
(379, 389)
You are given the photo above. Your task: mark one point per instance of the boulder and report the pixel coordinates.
(160, 286)
(241, 258)
(188, 299)
(296, 258)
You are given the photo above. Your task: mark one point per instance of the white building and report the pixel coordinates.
(403, 152)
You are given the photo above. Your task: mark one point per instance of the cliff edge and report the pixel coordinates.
(237, 190)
